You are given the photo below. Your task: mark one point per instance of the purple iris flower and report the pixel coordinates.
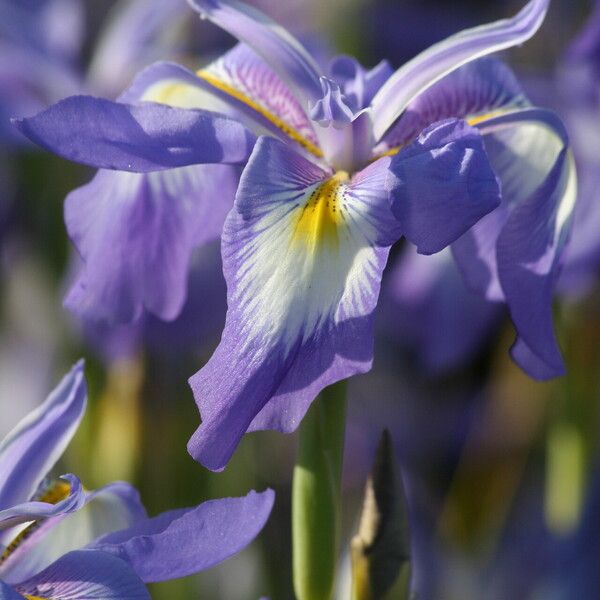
(350, 162)
(58, 540)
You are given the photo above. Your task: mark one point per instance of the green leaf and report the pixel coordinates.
(381, 547)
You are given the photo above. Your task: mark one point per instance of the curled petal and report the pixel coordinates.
(444, 57)
(32, 448)
(303, 253)
(441, 185)
(66, 495)
(514, 254)
(182, 542)
(137, 138)
(277, 47)
(85, 575)
(115, 506)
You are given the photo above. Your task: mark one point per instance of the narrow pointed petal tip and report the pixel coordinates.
(442, 58)
(441, 185)
(137, 138)
(32, 448)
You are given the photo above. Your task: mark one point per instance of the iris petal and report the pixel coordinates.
(303, 253)
(181, 542)
(277, 47)
(86, 575)
(444, 57)
(32, 448)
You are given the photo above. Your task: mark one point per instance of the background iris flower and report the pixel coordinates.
(59, 540)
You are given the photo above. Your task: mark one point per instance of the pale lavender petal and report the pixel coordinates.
(276, 46)
(444, 57)
(86, 575)
(40, 509)
(113, 507)
(483, 87)
(32, 448)
(441, 185)
(185, 541)
(136, 234)
(136, 138)
(303, 253)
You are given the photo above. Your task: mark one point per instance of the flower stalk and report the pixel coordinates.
(316, 496)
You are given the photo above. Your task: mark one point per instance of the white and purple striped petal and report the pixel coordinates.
(303, 252)
(85, 575)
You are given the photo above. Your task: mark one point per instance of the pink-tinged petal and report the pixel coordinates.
(113, 507)
(183, 542)
(136, 234)
(85, 575)
(480, 89)
(303, 253)
(32, 448)
(242, 80)
(137, 138)
(276, 46)
(442, 58)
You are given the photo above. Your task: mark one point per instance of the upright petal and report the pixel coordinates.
(113, 507)
(277, 47)
(32, 448)
(136, 234)
(303, 253)
(137, 138)
(85, 575)
(182, 542)
(442, 58)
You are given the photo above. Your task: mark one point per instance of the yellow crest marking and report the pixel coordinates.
(321, 216)
(263, 112)
(53, 494)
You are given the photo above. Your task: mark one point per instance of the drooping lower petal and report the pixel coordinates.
(516, 255)
(439, 60)
(136, 138)
(136, 234)
(113, 507)
(182, 542)
(85, 575)
(441, 185)
(303, 253)
(32, 448)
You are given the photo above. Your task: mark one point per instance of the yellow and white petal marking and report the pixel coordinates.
(300, 265)
(54, 493)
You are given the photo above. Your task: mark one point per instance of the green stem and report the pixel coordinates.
(316, 495)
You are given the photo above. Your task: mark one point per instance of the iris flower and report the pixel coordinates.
(58, 540)
(344, 165)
